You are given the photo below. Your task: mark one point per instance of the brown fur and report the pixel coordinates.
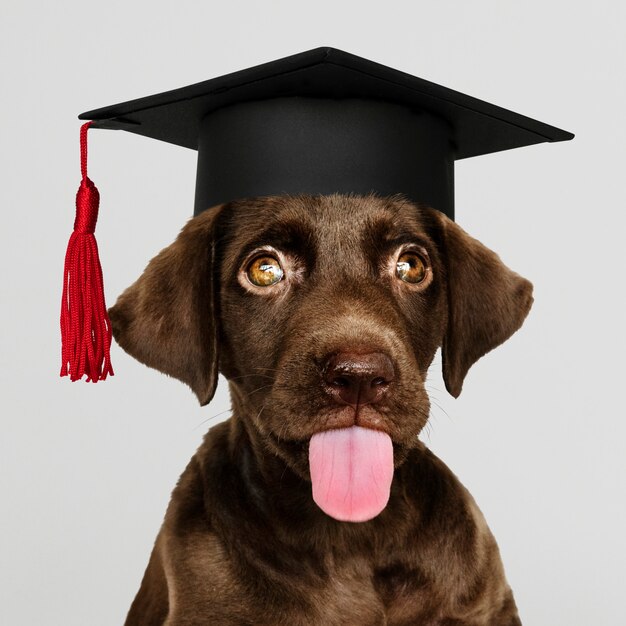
(242, 541)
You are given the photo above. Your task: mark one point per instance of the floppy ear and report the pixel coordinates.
(167, 318)
(487, 302)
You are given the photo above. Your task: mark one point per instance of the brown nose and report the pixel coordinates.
(358, 378)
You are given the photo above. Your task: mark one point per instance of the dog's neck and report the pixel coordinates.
(249, 450)
(280, 497)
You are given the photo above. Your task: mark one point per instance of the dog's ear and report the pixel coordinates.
(167, 318)
(487, 302)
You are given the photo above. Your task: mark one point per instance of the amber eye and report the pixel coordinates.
(264, 271)
(411, 268)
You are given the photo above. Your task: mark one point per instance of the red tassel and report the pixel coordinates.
(85, 324)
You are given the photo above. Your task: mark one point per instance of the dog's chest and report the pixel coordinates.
(351, 592)
(356, 592)
(348, 596)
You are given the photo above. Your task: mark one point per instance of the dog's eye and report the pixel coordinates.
(264, 271)
(411, 268)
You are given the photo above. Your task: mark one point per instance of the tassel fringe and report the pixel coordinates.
(85, 325)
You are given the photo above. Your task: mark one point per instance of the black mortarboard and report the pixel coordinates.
(318, 122)
(325, 121)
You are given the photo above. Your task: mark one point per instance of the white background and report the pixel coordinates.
(538, 434)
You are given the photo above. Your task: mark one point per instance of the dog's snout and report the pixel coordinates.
(358, 378)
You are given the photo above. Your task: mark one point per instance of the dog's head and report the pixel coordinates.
(322, 312)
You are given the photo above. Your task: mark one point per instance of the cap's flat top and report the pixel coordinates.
(174, 116)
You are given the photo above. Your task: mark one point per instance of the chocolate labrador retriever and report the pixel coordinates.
(316, 503)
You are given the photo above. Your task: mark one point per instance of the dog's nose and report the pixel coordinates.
(358, 378)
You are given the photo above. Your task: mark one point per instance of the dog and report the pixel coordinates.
(324, 314)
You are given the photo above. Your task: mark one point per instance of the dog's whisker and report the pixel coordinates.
(441, 409)
(280, 432)
(260, 411)
(208, 419)
(257, 389)
(432, 389)
(427, 430)
(251, 375)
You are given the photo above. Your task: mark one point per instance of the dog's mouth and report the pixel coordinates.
(348, 452)
(351, 472)
(351, 469)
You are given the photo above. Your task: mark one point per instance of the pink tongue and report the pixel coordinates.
(351, 470)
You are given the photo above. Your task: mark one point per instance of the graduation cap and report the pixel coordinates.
(319, 122)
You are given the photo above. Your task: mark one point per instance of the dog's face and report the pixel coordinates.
(323, 312)
(332, 309)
